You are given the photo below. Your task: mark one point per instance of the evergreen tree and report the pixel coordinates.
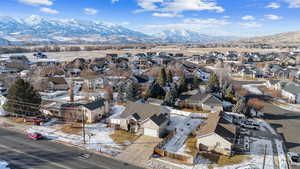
(170, 77)
(169, 98)
(162, 77)
(132, 91)
(229, 94)
(183, 86)
(22, 98)
(155, 91)
(213, 83)
(224, 87)
(196, 82)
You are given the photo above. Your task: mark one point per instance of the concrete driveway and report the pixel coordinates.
(140, 151)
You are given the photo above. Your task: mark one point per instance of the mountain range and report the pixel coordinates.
(40, 30)
(281, 38)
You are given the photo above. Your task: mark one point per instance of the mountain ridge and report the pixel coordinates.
(39, 30)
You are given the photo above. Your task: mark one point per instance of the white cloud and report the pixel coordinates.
(90, 11)
(273, 5)
(49, 10)
(248, 18)
(251, 24)
(209, 26)
(114, 1)
(273, 17)
(293, 3)
(37, 2)
(178, 6)
(167, 15)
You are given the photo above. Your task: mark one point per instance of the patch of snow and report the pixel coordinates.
(281, 155)
(252, 88)
(183, 128)
(3, 165)
(288, 107)
(179, 112)
(255, 161)
(97, 137)
(117, 110)
(267, 126)
(51, 122)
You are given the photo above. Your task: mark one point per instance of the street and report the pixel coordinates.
(23, 153)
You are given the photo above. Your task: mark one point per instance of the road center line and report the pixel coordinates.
(35, 157)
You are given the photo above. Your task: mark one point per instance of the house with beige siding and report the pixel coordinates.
(146, 119)
(207, 102)
(216, 135)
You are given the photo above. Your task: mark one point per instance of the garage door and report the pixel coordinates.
(150, 132)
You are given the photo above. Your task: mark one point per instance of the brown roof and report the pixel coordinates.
(57, 80)
(216, 124)
(142, 111)
(209, 125)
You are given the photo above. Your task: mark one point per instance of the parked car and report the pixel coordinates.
(296, 159)
(251, 122)
(249, 126)
(35, 136)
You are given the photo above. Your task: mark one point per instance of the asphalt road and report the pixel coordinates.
(23, 153)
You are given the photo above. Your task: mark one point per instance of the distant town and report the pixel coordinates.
(151, 106)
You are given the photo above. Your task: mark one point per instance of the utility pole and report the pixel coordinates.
(264, 162)
(83, 126)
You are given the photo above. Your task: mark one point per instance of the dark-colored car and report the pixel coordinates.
(35, 136)
(296, 159)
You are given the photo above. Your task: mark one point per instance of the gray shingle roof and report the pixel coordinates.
(143, 111)
(95, 104)
(292, 87)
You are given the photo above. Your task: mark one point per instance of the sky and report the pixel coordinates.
(211, 17)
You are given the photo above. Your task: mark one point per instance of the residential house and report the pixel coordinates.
(57, 83)
(271, 84)
(291, 91)
(94, 82)
(216, 135)
(147, 119)
(206, 102)
(93, 110)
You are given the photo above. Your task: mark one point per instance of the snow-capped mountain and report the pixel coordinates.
(4, 42)
(39, 30)
(187, 36)
(36, 29)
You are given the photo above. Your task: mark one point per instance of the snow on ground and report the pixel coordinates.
(3, 165)
(288, 107)
(100, 139)
(183, 126)
(281, 155)
(51, 122)
(252, 88)
(117, 110)
(255, 161)
(97, 137)
(266, 125)
(179, 112)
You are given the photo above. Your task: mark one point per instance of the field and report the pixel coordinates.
(67, 56)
